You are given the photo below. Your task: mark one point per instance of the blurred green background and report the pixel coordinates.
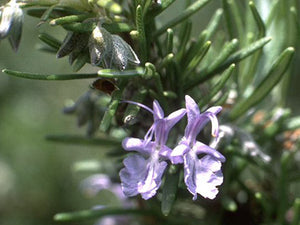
(36, 177)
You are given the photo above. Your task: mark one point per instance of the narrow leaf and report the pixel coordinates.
(90, 26)
(184, 37)
(47, 14)
(50, 41)
(116, 28)
(169, 190)
(37, 76)
(259, 22)
(98, 213)
(183, 16)
(110, 6)
(141, 33)
(111, 110)
(81, 60)
(170, 35)
(111, 73)
(194, 48)
(80, 27)
(82, 140)
(194, 62)
(234, 58)
(267, 84)
(69, 19)
(213, 24)
(58, 11)
(218, 86)
(228, 49)
(233, 19)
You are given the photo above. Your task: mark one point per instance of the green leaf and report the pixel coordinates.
(141, 33)
(50, 41)
(70, 19)
(234, 58)
(183, 16)
(170, 43)
(46, 15)
(37, 76)
(83, 140)
(222, 100)
(218, 86)
(259, 22)
(199, 55)
(58, 11)
(110, 5)
(184, 37)
(80, 27)
(116, 28)
(233, 19)
(111, 110)
(150, 70)
(272, 13)
(166, 61)
(98, 213)
(169, 190)
(90, 26)
(272, 78)
(194, 49)
(112, 73)
(228, 49)
(213, 24)
(81, 60)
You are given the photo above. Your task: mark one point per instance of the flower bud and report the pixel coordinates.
(100, 46)
(11, 23)
(73, 45)
(111, 50)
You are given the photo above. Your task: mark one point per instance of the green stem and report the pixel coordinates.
(37, 76)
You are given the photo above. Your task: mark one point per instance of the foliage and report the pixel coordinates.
(240, 61)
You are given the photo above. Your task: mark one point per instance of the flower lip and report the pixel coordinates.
(201, 175)
(143, 172)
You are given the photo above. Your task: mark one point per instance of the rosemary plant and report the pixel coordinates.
(159, 84)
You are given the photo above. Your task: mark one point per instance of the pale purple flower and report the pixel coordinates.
(143, 172)
(201, 175)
